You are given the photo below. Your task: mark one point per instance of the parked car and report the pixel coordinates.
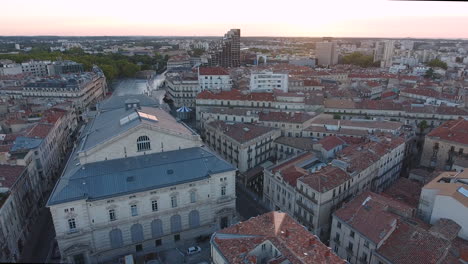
(193, 250)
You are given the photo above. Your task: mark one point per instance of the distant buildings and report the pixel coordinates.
(446, 196)
(446, 145)
(269, 238)
(179, 61)
(227, 52)
(84, 89)
(326, 53)
(384, 52)
(145, 185)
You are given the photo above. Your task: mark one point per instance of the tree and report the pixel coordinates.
(423, 125)
(357, 58)
(437, 63)
(429, 74)
(336, 116)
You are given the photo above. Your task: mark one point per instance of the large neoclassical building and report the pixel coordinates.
(137, 182)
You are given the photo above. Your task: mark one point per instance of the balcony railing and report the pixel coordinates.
(307, 196)
(305, 207)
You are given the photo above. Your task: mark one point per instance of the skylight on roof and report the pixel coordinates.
(128, 118)
(147, 116)
(463, 191)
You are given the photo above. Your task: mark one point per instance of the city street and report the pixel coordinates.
(248, 206)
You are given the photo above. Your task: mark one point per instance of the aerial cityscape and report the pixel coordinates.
(246, 140)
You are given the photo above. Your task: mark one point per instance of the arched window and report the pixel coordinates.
(194, 218)
(143, 143)
(116, 239)
(176, 223)
(156, 228)
(137, 233)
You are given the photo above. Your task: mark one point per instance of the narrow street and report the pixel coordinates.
(246, 205)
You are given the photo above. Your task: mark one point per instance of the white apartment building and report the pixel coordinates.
(446, 196)
(138, 182)
(182, 88)
(36, 68)
(267, 81)
(214, 79)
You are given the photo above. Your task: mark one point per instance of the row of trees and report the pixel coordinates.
(113, 65)
(357, 58)
(437, 63)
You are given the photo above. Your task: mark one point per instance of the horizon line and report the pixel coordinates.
(218, 36)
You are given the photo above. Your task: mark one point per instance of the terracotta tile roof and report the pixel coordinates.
(285, 117)
(9, 175)
(406, 191)
(213, 71)
(299, 143)
(52, 115)
(288, 169)
(325, 179)
(453, 131)
(409, 244)
(236, 95)
(339, 103)
(39, 130)
(373, 215)
(331, 142)
(240, 132)
(5, 148)
(292, 240)
(447, 228)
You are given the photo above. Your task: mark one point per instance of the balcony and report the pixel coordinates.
(337, 241)
(305, 207)
(307, 196)
(224, 199)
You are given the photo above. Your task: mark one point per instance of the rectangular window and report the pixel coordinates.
(112, 216)
(350, 246)
(174, 201)
(338, 225)
(177, 237)
(193, 197)
(366, 244)
(154, 205)
(223, 190)
(139, 247)
(72, 224)
(351, 234)
(158, 242)
(134, 210)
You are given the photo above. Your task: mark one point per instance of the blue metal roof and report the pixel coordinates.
(105, 179)
(22, 143)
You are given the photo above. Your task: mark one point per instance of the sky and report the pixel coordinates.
(301, 18)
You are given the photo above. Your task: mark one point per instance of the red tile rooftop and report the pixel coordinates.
(240, 132)
(373, 215)
(9, 175)
(285, 117)
(236, 95)
(213, 71)
(330, 142)
(410, 244)
(453, 131)
(327, 178)
(405, 190)
(39, 130)
(294, 242)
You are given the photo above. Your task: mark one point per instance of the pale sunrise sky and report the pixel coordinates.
(309, 18)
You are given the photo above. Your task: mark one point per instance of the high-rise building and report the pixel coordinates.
(326, 53)
(227, 53)
(384, 52)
